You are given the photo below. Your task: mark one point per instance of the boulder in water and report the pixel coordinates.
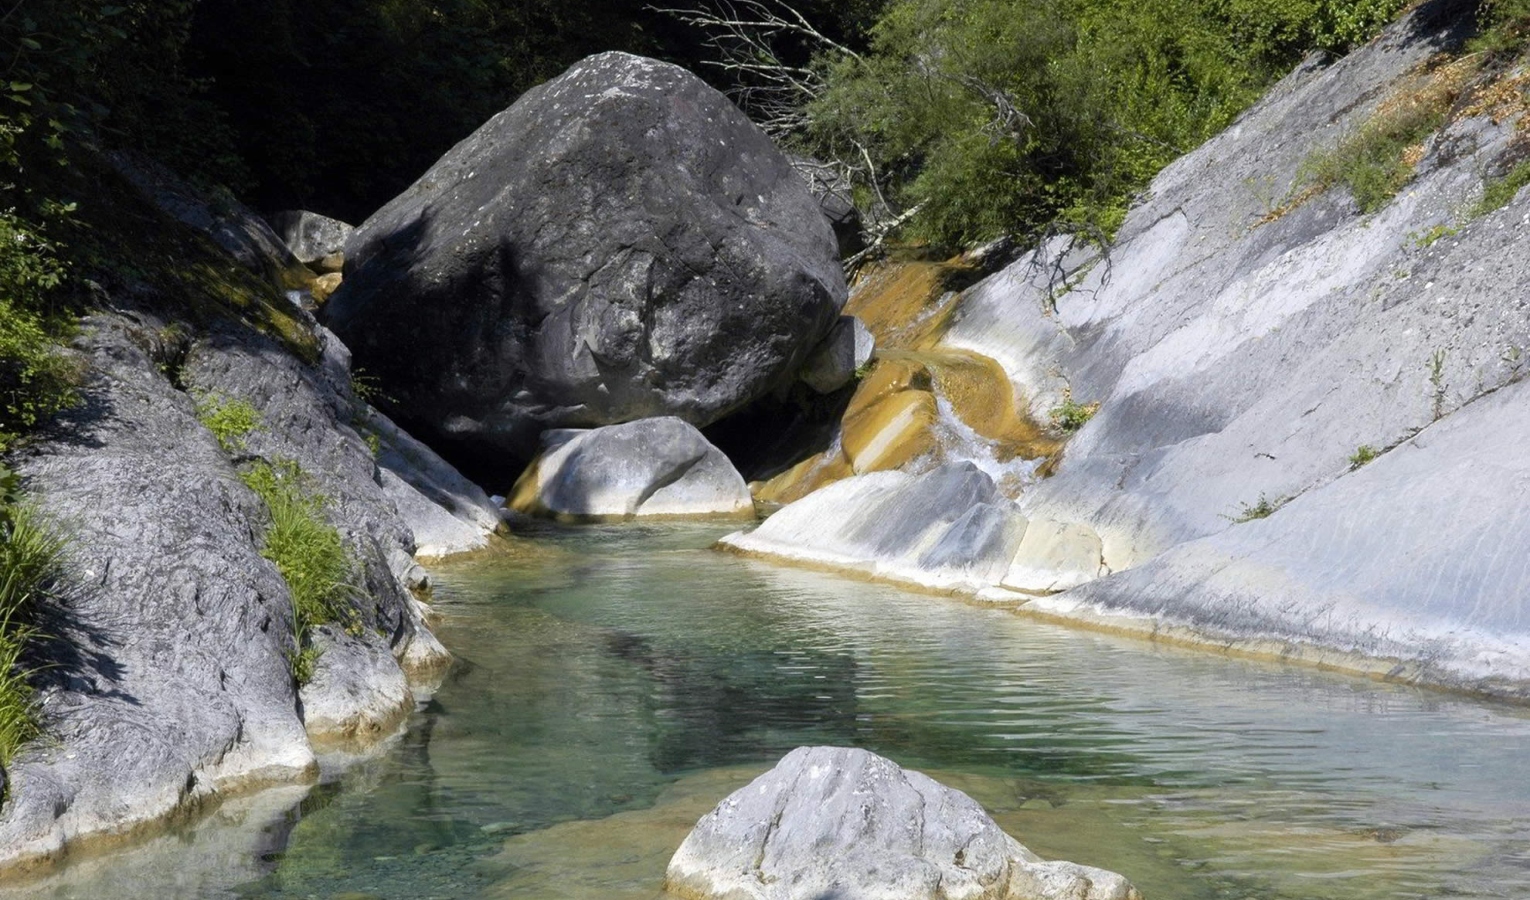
(846, 823)
(621, 243)
(949, 528)
(649, 468)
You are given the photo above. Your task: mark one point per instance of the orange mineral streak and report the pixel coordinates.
(891, 421)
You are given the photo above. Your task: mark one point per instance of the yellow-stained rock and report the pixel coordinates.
(804, 478)
(892, 372)
(906, 303)
(891, 433)
(325, 285)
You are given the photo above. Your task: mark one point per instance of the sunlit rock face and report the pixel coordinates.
(950, 528)
(621, 243)
(842, 822)
(651, 468)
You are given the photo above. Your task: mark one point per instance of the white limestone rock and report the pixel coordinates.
(846, 823)
(660, 467)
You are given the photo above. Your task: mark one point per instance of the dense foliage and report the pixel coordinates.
(1014, 116)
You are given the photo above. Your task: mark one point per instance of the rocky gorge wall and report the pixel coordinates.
(166, 670)
(1308, 414)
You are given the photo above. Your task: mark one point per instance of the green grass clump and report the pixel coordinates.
(229, 419)
(1262, 509)
(1374, 161)
(308, 552)
(1070, 416)
(31, 554)
(1497, 192)
(1363, 454)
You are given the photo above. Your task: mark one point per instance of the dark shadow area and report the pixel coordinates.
(773, 434)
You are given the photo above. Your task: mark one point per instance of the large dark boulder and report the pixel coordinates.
(622, 243)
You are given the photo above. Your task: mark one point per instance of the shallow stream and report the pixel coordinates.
(614, 683)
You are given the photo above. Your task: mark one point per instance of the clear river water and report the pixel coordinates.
(614, 683)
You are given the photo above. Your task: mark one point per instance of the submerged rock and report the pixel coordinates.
(649, 468)
(846, 823)
(621, 243)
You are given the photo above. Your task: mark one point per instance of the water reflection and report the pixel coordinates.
(615, 684)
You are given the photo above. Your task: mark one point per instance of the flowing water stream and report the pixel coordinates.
(615, 683)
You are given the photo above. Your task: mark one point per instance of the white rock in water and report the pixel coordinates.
(835, 822)
(949, 528)
(648, 468)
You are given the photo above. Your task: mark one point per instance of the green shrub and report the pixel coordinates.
(36, 381)
(31, 553)
(229, 419)
(308, 552)
(1020, 116)
(1070, 416)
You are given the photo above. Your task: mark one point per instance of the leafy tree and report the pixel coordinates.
(1018, 116)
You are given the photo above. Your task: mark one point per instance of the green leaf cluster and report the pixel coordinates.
(229, 419)
(1014, 116)
(36, 380)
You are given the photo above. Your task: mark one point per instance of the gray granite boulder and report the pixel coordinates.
(846, 823)
(620, 243)
(834, 363)
(650, 468)
(310, 236)
(230, 224)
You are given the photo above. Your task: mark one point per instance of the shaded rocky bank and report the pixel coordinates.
(169, 677)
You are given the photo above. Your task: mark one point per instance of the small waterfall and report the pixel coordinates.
(960, 442)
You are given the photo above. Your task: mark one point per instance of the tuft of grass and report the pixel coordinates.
(229, 419)
(1497, 192)
(310, 555)
(1363, 454)
(1070, 416)
(1436, 369)
(31, 557)
(1423, 240)
(1376, 161)
(1262, 509)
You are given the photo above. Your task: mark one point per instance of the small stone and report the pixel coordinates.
(499, 827)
